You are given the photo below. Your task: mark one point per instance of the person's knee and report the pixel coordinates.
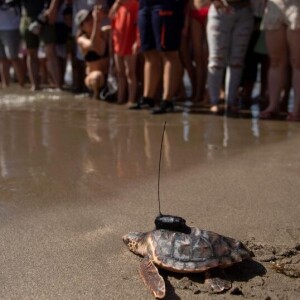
(278, 61)
(121, 74)
(130, 73)
(278, 58)
(170, 55)
(216, 62)
(236, 65)
(32, 52)
(151, 54)
(50, 50)
(95, 79)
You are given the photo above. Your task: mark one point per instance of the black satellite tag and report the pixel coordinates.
(173, 223)
(168, 222)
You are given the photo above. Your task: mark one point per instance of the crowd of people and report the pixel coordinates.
(136, 52)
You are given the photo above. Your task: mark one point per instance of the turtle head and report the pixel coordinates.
(135, 241)
(244, 251)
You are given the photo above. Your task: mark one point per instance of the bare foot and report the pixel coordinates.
(214, 109)
(35, 88)
(130, 104)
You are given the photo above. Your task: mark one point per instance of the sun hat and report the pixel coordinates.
(81, 16)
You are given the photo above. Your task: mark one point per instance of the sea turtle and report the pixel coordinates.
(194, 252)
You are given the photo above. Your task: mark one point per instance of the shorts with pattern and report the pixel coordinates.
(9, 43)
(282, 13)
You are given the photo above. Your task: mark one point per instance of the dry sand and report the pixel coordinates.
(77, 174)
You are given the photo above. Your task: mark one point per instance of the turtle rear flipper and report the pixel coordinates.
(151, 278)
(217, 284)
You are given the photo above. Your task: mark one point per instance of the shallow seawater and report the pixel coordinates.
(75, 141)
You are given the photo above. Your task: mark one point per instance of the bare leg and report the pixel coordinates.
(140, 73)
(277, 48)
(130, 68)
(285, 94)
(264, 76)
(152, 73)
(171, 74)
(121, 76)
(18, 67)
(62, 64)
(43, 72)
(294, 45)
(200, 53)
(4, 72)
(171, 81)
(94, 81)
(185, 57)
(52, 64)
(33, 68)
(78, 71)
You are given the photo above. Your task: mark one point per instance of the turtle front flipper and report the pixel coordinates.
(217, 284)
(151, 278)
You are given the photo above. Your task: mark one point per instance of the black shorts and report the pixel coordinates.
(160, 24)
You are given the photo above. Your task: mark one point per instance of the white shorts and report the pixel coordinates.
(9, 43)
(282, 13)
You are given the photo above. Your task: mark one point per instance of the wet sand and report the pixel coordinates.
(77, 174)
